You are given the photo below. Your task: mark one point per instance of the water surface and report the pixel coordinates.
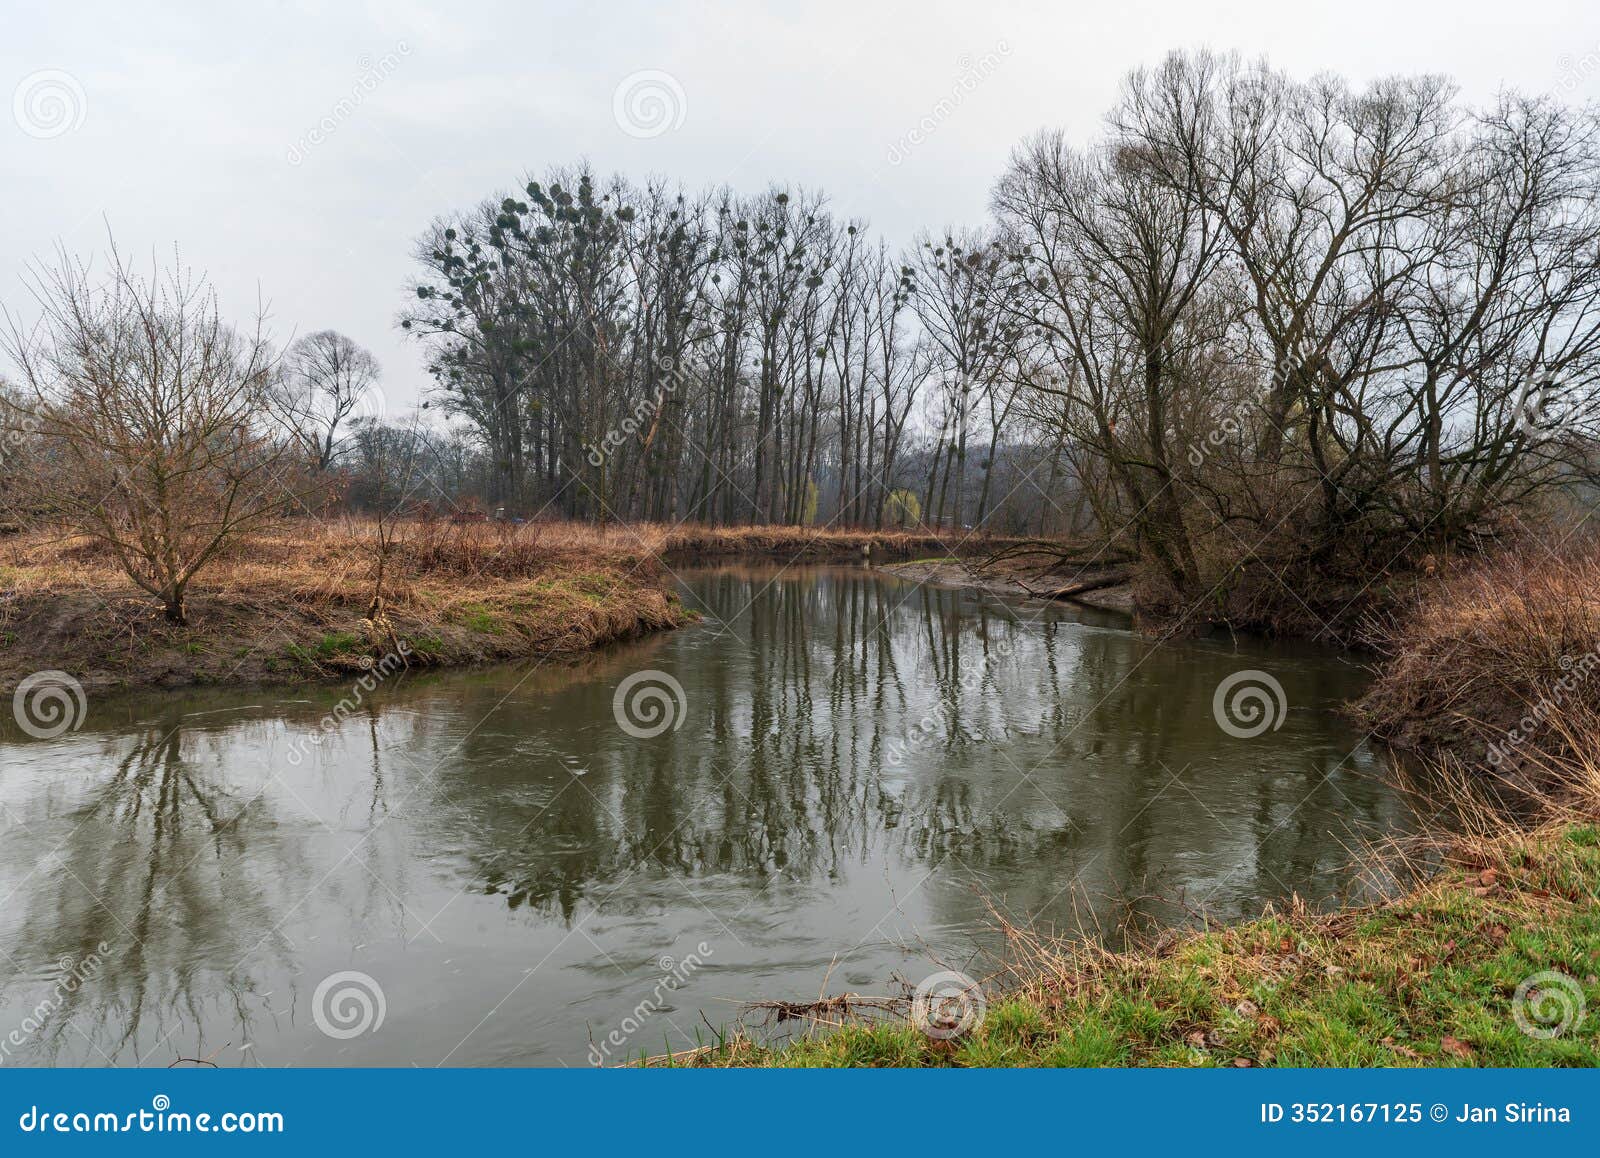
(857, 767)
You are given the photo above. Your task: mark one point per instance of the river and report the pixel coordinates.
(824, 785)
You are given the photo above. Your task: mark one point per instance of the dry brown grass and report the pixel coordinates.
(292, 602)
(1495, 671)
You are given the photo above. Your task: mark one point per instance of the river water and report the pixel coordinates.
(821, 787)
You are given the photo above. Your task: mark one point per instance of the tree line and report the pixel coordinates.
(645, 353)
(1323, 326)
(1253, 307)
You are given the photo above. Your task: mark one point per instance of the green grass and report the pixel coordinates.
(339, 643)
(332, 644)
(481, 618)
(1426, 981)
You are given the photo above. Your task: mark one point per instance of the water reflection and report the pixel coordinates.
(156, 903)
(862, 765)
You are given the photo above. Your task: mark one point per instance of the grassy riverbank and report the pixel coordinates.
(1428, 980)
(1016, 582)
(293, 603)
(1487, 676)
(689, 542)
(1495, 668)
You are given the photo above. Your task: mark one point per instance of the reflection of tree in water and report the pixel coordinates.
(183, 881)
(836, 723)
(789, 763)
(1170, 817)
(845, 719)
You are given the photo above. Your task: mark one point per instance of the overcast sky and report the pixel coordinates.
(296, 150)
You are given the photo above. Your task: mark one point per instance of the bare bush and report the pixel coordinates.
(150, 414)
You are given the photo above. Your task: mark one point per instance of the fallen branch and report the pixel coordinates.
(837, 1009)
(1072, 591)
(1057, 553)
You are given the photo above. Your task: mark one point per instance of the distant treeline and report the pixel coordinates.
(1324, 328)
(1253, 308)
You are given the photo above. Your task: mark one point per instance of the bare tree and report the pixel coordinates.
(1119, 265)
(150, 412)
(325, 378)
(959, 300)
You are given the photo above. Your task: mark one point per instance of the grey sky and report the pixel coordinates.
(191, 118)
